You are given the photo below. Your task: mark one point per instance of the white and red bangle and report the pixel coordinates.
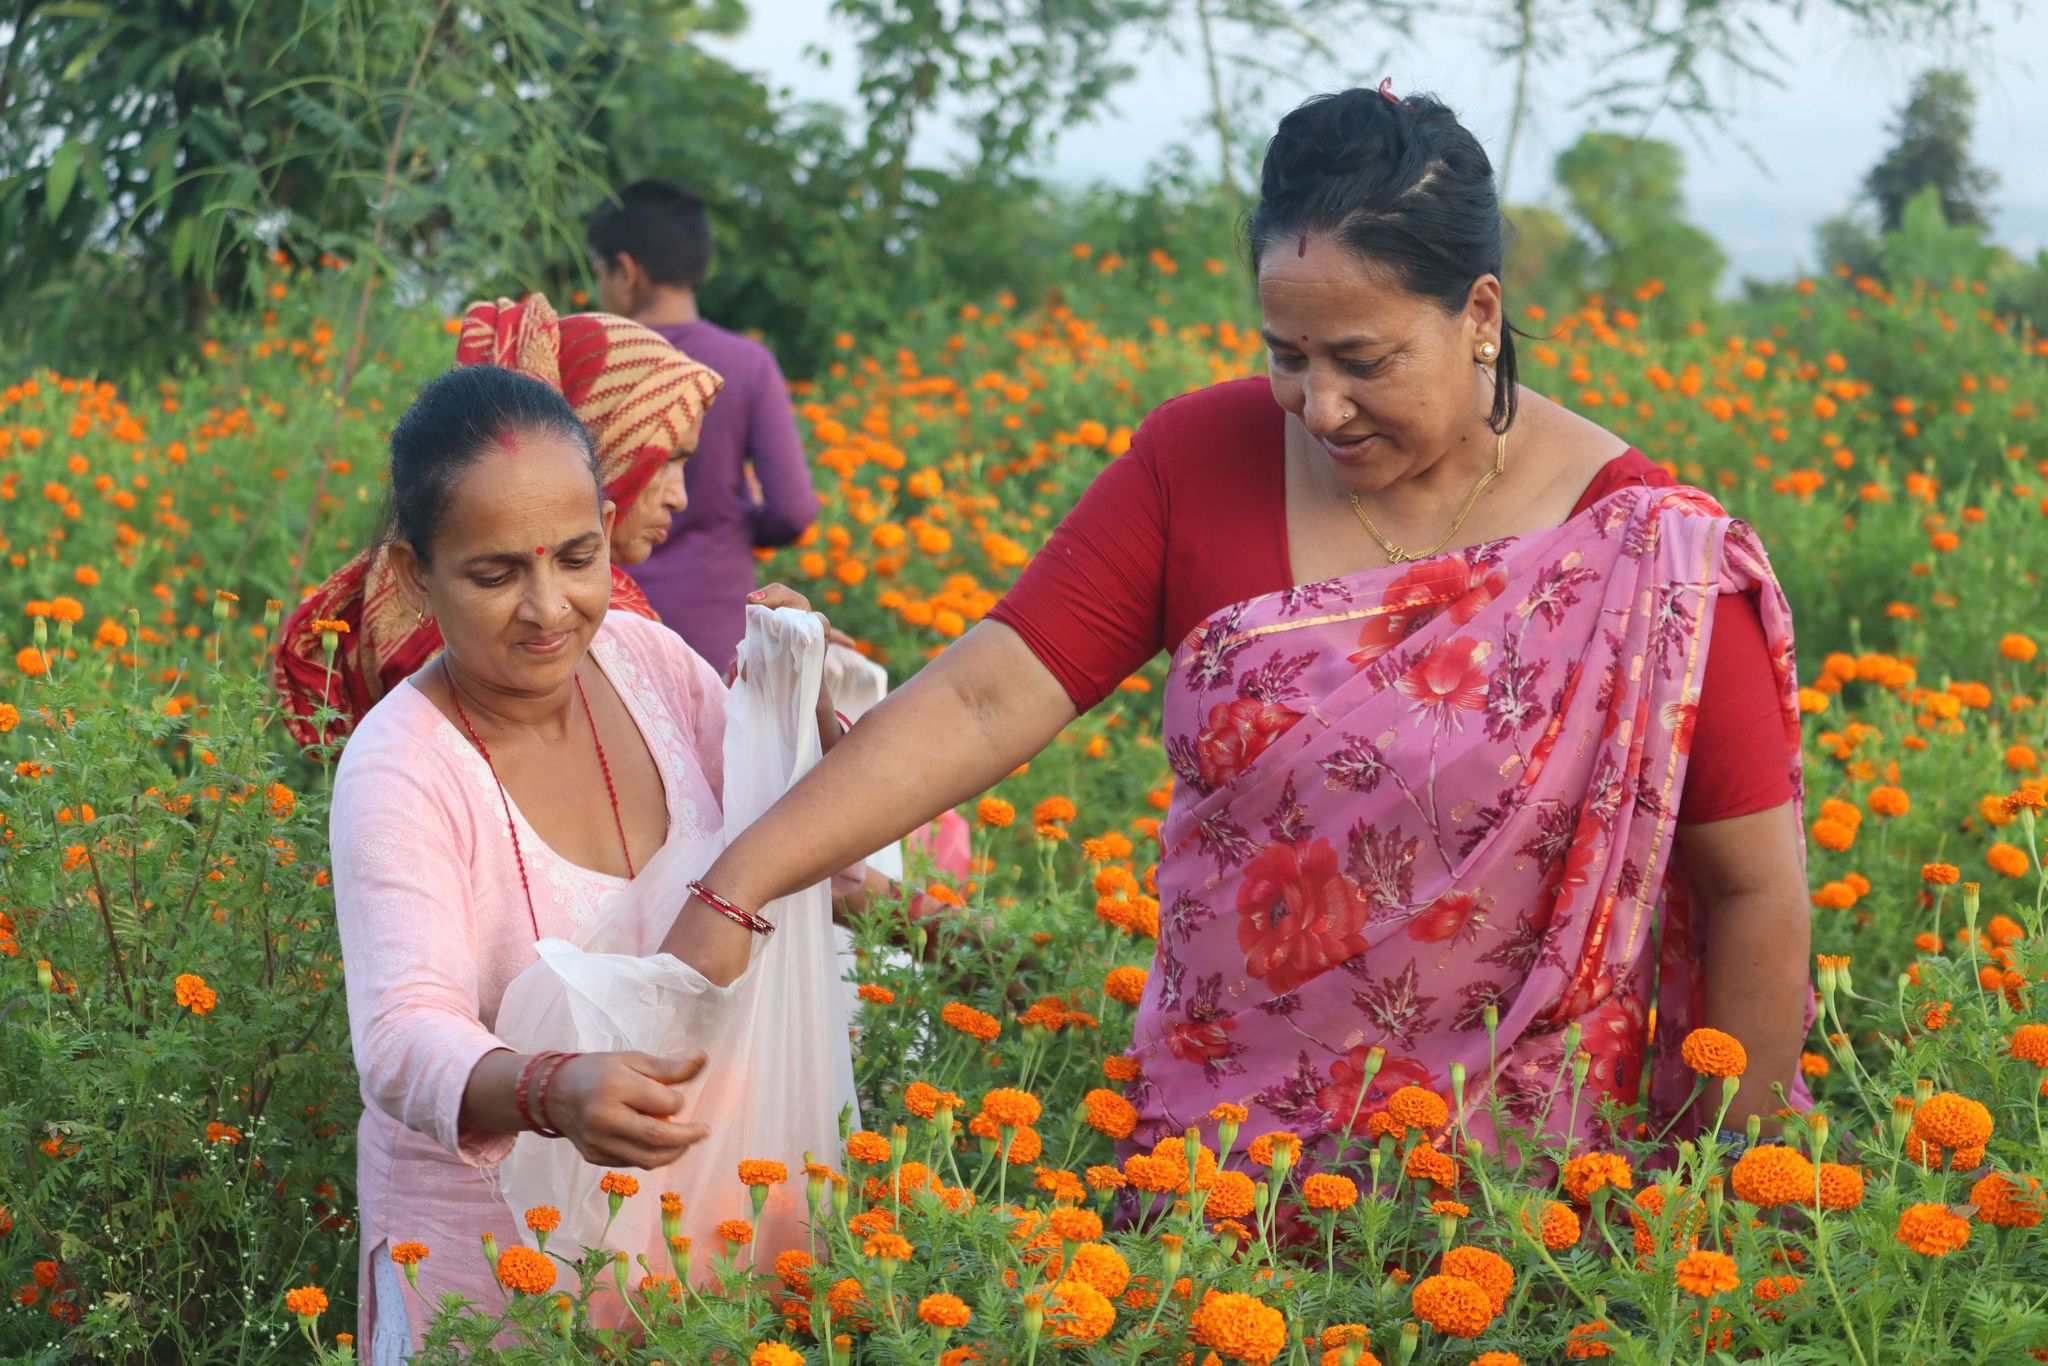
(755, 923)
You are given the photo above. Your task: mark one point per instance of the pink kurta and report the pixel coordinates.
(434, 925)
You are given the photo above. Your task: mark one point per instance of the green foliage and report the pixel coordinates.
(1627, 192)
(1931, 151)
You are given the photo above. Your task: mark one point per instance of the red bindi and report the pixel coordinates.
(539, 551)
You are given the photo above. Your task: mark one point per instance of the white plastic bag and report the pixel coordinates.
(779, 1067)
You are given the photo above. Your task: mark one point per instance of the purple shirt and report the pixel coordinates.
(698, 580)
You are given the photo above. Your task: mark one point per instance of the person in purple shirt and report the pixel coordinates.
(748, 484)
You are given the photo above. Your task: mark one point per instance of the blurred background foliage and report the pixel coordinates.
(152, 152)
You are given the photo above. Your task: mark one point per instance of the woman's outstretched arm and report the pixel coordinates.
(971, 716)
(1750, 900)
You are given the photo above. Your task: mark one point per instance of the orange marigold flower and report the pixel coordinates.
(925, 1100)
(755, 1171)
(543, 1218)
(775, 1354)
(1940, 874)
(1110, 1114)
(1125, 984)
(525, 1271)
(1077, 1313)
(793, 1269)
(2008, 1201)
(1120, 1068)
(1486, 1269)
(893, 1247)
(1496, 1359)
(868, 1147)
(1932, 1230)
(1949, 1120)
(1099, 1265)
(307, 1301)
(1588, 1172)
(1772, 1175)
(1239, 1328)
(1428, 1164)
(1841, 1187)
(1231, 1196)
(994, 812)
(1452, 1305)
(2030, 1044)
(1075, 1225)
(1418, 1107)
(943, 1311)
(738, 1232)
(1454, 1209)
(969, 1021)
(1890, 801)
(1561, 1227)
(1053, 811)
(1707, 1274)
(2007, 860)
(1712, 1053)
(876, 995)
(193, 993)
(619, 1184)
(1260, 1152)
(1011, 1108)
(1586, 1341)
(1327, 1190)
(1104, 1178)
(408, 1253)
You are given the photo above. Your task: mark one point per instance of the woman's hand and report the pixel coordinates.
(617, 1108)
(782, 595)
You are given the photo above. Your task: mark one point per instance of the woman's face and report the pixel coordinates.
(519, 578)
(1383, 379)
(644, 523)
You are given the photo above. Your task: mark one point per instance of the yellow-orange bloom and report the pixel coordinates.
(1418, 1107)
(1772, 1175)
(1109, 1114)
(1011, 1108)
(994, 812)
(525, 1271)
(1077, 1313)
(619, 1184)
(1125, 984)
(865, 1146)
(1841, 1187)
(2030, 1044)
(1932, 1230)
(943, 1311)
(307, 1301)
(2008, 1201)
(1452, 1305)
(1948, 1120)
(1326, 1190)
(1712, 1053)
(1707, 1274)
(1486, 1269)
(1239, 1328)
(755, 1171)
(1588, 1172)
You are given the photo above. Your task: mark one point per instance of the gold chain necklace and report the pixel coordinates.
(1396, 555)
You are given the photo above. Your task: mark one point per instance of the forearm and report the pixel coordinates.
(950, 733)
(1756, 989)
(490, 1101)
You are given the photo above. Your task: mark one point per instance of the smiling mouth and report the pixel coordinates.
(545, 645)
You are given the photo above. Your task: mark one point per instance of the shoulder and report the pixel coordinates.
(741, 353)
(1237, 407)
(395, 760)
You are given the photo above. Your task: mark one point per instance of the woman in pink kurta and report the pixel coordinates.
(434, 925)
(1432, 716)
(504, 793)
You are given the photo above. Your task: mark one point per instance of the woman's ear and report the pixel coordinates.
(413, 574)
(608, 513)
(1483, 313)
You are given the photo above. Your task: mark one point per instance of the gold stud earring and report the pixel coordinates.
(1487, 351)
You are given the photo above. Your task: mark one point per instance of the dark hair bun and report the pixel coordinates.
(451, 423)
(1402, 185)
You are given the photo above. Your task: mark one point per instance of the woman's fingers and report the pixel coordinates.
(779, 595)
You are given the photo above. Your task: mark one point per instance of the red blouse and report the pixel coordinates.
(1193, 518)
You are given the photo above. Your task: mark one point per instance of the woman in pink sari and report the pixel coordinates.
(1476, 716)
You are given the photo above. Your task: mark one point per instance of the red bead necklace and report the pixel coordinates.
(455, 694)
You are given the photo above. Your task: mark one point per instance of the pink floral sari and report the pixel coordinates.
(1412, 794)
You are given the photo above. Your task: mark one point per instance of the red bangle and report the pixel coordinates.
(525, 1080)
(751, 921)
(844, 724)
(546, 1128)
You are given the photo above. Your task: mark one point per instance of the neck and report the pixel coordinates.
(501, 712)
(667, 306)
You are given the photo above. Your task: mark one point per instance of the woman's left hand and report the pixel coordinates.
(782, 595)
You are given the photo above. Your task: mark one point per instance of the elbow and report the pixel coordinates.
(774, 527)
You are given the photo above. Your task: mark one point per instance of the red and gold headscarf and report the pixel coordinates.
(641, 400)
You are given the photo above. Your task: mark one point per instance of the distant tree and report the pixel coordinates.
(1848, 240)
(1626, 192)
(1931, 148)
(1547, 262)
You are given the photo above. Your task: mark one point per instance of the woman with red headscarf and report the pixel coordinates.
(643, 402)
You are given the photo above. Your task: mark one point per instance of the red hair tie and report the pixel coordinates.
(1387, 92)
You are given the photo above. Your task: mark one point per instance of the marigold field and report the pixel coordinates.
(177, 1100)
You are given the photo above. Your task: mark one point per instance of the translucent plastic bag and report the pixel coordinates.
(779, 1068)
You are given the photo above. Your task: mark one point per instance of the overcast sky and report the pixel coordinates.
(1810, 139)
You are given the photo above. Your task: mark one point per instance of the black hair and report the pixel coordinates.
(663, 224)
(1405, 187)
(449, 426)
